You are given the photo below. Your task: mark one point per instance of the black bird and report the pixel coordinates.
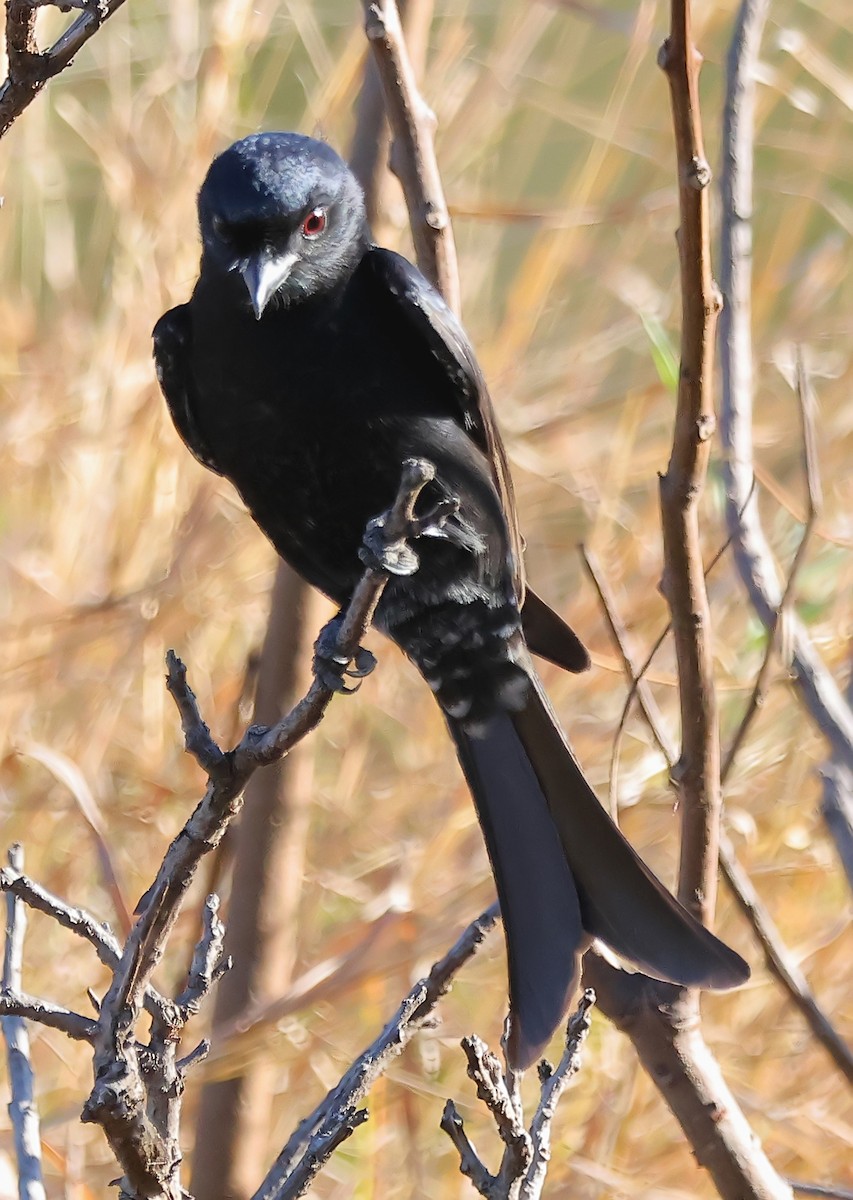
(306, 367)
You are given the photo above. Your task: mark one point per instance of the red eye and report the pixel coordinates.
(314, 223)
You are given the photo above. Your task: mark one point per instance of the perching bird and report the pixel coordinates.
(306, 367)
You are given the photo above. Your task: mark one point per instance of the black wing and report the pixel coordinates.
(436, 324)
(172, 341)
(547, 634)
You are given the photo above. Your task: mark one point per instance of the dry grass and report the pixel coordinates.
(555, 144)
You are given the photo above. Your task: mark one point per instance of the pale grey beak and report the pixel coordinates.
(263, 275)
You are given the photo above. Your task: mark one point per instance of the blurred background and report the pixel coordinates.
(555, 144)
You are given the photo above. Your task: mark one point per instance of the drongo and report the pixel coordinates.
(306, 367)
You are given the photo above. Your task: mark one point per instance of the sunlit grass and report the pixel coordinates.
(555, 144)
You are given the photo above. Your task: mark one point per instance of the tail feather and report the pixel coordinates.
(621, 901)
(539, 903)
(565, 874)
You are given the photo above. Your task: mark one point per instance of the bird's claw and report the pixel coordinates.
(330, 666)
(381, 553)
(393, 555)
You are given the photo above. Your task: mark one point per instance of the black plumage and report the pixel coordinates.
(306, 367)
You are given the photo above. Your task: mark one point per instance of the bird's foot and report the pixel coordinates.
(330, 666)
(382, 551)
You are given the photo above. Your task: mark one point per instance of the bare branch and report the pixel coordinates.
(663, 1024)
(638, 686)
(207, 965)
(228, 776)
(698, 771)
(828, 708)
(413, 158)
(819, 1189)
(837, 811)
(779, 629)
(553, 1084)
(527, 1152)
(320, 1150)
(81, 923)
(342, 1101)
(485, 1070)
(136, 1096)
(29, 68)
(470, 1163)
(72, 1024)
(23, 1112)
(780, 961)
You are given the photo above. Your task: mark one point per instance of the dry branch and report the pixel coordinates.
(779, 959)
(698, 771)
(137, 1092)
(23, 1112)
(527, 1150)
(827, 706)
(30, 68)
(413, 158)
(779, 635)
(663, 1025)
(661, 1020)
(335, 1118)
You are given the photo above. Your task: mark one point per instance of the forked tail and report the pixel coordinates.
(565, 874)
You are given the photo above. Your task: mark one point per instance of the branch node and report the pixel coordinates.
(698, 173)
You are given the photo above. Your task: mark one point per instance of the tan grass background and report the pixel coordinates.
(555, 145)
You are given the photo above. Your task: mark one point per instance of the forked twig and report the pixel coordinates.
(527, 1152)
(137, 1091)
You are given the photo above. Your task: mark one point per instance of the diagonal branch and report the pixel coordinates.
(338, 1115)
(780, 961)
(29, 68)
(818, 690)
(780, 626)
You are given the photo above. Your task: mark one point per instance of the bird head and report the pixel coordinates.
(285, 212)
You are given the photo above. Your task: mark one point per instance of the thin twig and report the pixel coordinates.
(81, 923)
(828, 708)
(29, 68)
(780, 961)
(470, 1163)
(72, 1024)
(779, 634)
(23, 1112)
(828, 1190)
(138, 1108)
(698, 772)
(527, 1151)
(484, 1069)
(638, 676)
(638, 685)
(553, 1084)
(207, 965)
(413, 158)
(343, 1099)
